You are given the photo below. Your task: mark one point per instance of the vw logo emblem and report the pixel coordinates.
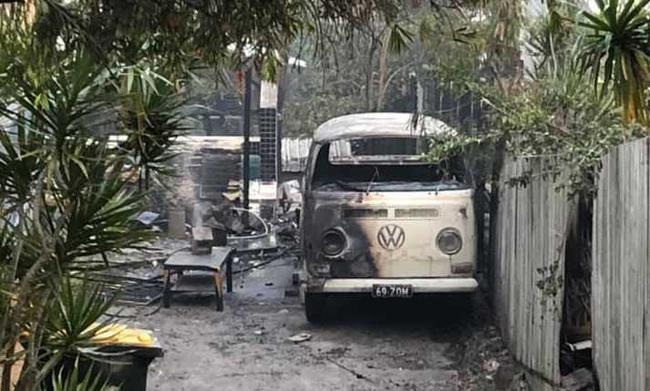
(391, 237)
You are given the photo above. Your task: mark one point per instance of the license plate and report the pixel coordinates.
(391, 290)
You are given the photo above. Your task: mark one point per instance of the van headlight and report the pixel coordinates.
(449, 241)
(333, 242)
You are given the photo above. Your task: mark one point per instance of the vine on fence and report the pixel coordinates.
(555, 120)
(550, 286)
(571, 130)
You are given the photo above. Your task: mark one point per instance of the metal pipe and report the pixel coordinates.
(247, 134)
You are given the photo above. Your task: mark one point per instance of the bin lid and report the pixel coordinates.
(118, 334)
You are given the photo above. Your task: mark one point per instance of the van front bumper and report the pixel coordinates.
(419, 285)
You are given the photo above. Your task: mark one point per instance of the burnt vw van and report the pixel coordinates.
(380, 220)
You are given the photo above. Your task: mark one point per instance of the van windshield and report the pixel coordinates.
(379, 150)
(385, 171)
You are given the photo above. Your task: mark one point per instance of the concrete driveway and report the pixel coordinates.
(373, 345)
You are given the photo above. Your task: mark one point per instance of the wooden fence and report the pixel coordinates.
(621, 270)
(531, 231)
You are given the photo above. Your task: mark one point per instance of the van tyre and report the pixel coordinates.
(315, 307)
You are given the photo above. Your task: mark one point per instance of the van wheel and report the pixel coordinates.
(315, 306)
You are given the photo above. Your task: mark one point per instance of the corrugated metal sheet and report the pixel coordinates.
(531, 234)
(621, 270)
(294, 154)
(232, 143)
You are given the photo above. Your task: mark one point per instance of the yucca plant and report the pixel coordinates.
(78, 316)
(74, 381)
(76, 325)
(617, 52)
(64, 202)
(151, 118)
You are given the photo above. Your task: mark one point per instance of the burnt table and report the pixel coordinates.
(199, 273)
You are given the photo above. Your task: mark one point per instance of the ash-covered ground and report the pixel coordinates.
(419, 344)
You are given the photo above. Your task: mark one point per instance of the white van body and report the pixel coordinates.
(379, 219)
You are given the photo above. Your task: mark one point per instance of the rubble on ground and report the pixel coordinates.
(579, 380)
(484, 361)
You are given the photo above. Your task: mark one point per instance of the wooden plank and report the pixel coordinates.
(637, 254)
(519, 267)
(531, 233)
(511, 257)
(599, 312)
(626, 273)
(599, 248)
(639, 211)
(621, 294)
(609, 281)
(621, 270)
(646, 309)
(616, 275)
(534, 357)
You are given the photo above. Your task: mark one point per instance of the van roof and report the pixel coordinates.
(378, 125)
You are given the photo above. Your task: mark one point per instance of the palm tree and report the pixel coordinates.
(616, 49)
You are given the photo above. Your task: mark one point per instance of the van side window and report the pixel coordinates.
(323, 170)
